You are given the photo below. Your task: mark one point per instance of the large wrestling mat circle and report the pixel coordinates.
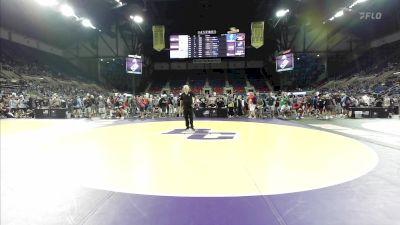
(222, 158)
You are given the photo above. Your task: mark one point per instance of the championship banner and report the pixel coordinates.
(158, 37)
(257, 34)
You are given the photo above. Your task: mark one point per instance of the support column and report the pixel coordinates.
(133, 84)
(98, 70)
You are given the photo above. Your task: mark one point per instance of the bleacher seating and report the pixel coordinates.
(197, 90)
(218, 90)
(217, 80)
(157, 86)
(307, 69)
(30, 61)
(237, 83)
(177, 83)
(217, 83)
(239, 90)
(259, 85)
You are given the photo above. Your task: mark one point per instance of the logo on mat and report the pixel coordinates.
(204, 134)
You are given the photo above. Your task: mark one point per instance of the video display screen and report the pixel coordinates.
(134, 64)
(284, 62)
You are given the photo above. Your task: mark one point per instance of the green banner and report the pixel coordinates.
(257, 34)
(158, 37)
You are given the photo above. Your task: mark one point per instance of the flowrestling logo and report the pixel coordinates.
(370, 15)
(204, 134)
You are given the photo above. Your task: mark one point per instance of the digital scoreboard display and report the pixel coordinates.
(207, 46)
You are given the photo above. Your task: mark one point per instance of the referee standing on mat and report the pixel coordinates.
(187, 101)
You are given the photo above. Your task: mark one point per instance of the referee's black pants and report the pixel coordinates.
(188, 114)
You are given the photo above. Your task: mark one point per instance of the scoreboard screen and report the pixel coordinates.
(207, 46)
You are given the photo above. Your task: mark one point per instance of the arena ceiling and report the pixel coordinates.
(188, 16)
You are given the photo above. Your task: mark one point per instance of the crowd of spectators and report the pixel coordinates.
(296, 105)
(27, 85)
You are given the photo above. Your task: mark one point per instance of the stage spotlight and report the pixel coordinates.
(137, 19)
(47, 2)
(87, 23)
(339, 14)
(282, 13)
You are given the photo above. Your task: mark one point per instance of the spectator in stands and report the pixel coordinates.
(171, 109)
(77, 104)
(239, 106)
(220, 102)
(175, 105)
(87, 103)
(338, 106)
(141, 104)
(102, 107)
(21, 106)
(297, 108)
(270, 100)
(252, 105)
(329, 107)
(163, 103)
(55, 101)
(260, 106)
(231, 107)
(203, 103)
(4, 108)
(284, 106)
(13, 104)
(93, 107)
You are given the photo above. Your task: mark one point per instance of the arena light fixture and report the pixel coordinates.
(356, 3)
(87, 23)
(349, 8)
(339, 14)
(67, 11)
(281, 13)
(137, 19)
(47, 3)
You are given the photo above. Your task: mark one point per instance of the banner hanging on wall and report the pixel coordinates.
(257, 34)
(158, 37)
